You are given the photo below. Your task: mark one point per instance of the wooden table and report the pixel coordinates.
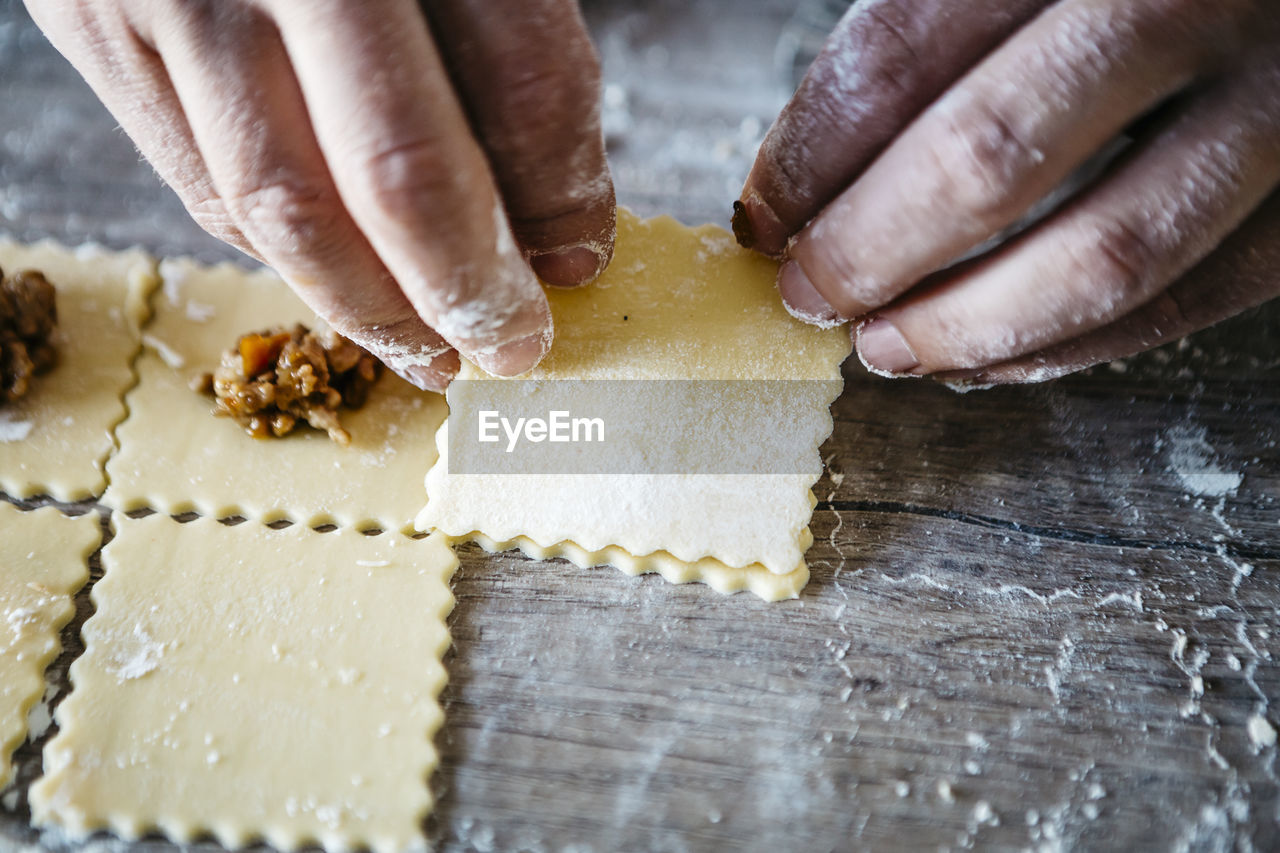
(1038, 618)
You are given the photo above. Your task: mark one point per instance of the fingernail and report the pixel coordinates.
(884, 350)
(514, 358)
(568, 267)
(802, 300)
(756, 226)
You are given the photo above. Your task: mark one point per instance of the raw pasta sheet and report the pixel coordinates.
(255, 683)
(677, 303)
(175, 457)
(43, 562)
(55, 440)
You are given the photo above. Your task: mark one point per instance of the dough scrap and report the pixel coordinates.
(677, 303)
(255, 683)
(55, 440)
(43, 563)
(176, 457)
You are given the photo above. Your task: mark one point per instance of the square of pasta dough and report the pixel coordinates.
(676, 303)
(175, 456)
(55, 439)
(43, 563)
(255, 683)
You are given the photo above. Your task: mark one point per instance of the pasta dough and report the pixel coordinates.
(176, 457)
(252, 682)
(55, 440)
(677, 303)
(43, 558)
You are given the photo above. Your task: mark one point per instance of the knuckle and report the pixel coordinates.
(407, 181)
(286, 216)
(212, 215)
(798, 178)
(847, 105)
(1113, 266)
(981, 161)
(886, 43)
(547, 112)
(1218, 25)
(541, 102)
(537, 78)
(840, 276)
(898, 25)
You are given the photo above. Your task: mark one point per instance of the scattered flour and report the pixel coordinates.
(137, 658)
(14, 430)
(200, 312)
(1191, 457)
(167, 354)
(19, 619)
(40, 717)
(174, 277)
(1261, 732)
(1132, 599)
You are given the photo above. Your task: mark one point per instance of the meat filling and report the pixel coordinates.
(274, 379)
(28, 314)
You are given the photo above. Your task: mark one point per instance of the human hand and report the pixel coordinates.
(925, 127)
(402, 167)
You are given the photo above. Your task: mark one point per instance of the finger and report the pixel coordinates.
(128, 77)
(233, 78)
(536, 111)
(882, 65)
(1115, 248)
(1002, 138)
(1239, 275)
(417, 184)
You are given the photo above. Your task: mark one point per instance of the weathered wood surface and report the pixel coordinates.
(1031, 623)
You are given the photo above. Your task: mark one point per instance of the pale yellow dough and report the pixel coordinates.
(43, 562)
(677, 303)
(255, 683)
(176, 457)
(55, 440)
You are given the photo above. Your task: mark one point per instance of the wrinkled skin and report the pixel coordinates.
(406, 168)
(926, 127)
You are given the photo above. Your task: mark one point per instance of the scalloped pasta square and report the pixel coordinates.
(255, 683)
(55, 439)
(43, 563)
(176, 457)
(677, 303)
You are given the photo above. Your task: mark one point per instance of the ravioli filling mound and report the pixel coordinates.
(272, 380)
(28, 315)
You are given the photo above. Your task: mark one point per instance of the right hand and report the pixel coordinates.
(928, 127)
(403, 167)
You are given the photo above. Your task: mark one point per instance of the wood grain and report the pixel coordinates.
(1026, 629)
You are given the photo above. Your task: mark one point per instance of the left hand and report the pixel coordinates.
(924, 128)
